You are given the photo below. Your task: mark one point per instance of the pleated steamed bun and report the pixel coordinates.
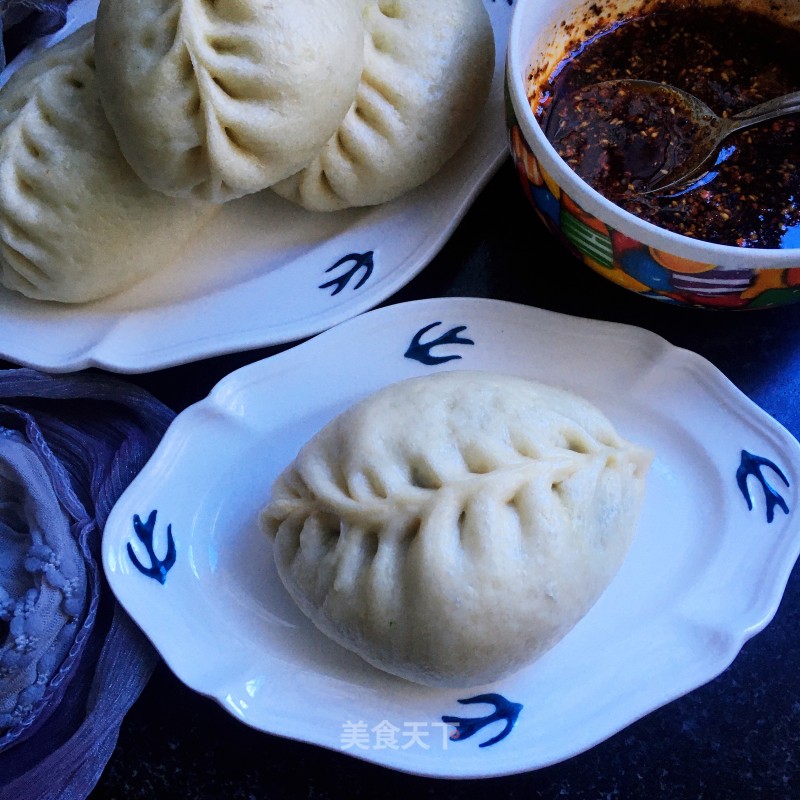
(219, 99)
(76, 224)
(452, 528)
(428, 68)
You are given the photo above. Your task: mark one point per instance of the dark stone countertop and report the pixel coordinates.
(736, 737)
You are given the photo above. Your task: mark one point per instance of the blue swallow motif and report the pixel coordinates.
(752, 465)
(361, 261)
(422, 352)
(468, 726)
(144, 531)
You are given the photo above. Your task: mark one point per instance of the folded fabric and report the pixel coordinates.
(43, 581)
(26, 20)
(71, 661)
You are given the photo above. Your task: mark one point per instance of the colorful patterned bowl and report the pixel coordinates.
(625, 249)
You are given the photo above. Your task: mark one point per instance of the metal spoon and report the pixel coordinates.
(709, 129)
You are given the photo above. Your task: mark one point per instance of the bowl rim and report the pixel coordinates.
(723, 256)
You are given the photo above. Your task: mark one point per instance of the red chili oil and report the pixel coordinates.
(731, 59)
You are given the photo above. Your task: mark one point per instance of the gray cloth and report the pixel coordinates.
(43, 585)
(71, 661)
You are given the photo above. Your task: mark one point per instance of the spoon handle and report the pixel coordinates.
(777, 107)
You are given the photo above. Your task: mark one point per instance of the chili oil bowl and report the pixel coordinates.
(631, 252)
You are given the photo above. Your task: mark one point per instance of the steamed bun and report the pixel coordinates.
(219, 99)
(451, 528)
(76, 223)
(428, 67)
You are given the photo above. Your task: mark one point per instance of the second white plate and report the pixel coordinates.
(264, 271)
(707, 569)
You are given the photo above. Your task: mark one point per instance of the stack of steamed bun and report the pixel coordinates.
(120, 142)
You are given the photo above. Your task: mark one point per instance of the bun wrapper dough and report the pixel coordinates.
(219, 99)
(428, 68)
(76, 224)
(452, 528)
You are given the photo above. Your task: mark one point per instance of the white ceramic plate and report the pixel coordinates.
(704, 574)
(264, 271)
